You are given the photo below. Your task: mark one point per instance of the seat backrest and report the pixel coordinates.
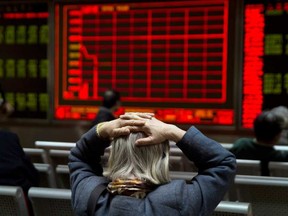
(248, 167)
(278, 169)
(226, 208)
(54, 145)
(175, 151)
(47, 177)
(281, 147)
(60, 150)
(176, 163)
(50, 201)
(267, 195)
(63, 177)
(36, 155)
(59, 156)
(277, 147)
(227, 145)
(12, 201)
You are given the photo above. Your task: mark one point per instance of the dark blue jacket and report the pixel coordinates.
(15, 167)
(198, 197)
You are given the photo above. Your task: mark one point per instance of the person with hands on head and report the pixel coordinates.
(137, 178)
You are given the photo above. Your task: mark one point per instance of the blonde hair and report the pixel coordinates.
(127, 160)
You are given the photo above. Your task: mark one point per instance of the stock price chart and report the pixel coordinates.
(168, 57)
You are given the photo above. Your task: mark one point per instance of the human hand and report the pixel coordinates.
(156, 130)
(118, 127)
(137, 115)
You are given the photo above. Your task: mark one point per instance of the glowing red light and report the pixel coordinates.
(29, 15)
(94, 40)
(253, 64)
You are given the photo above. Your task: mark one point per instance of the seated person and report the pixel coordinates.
(267, 128)
(110, 103)
(15, 167)
(137, 179)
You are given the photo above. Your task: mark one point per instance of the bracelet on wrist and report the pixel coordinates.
(98, 127)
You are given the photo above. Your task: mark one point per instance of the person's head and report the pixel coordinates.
(111, 100)
(130, 161)
(282, 111)
(5, 110)
(268, 127)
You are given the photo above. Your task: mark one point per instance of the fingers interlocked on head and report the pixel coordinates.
(137, 115)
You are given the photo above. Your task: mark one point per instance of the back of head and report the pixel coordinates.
(282, 111)
(128, 161)
(267, 127)
(111, 98)
(6, 110)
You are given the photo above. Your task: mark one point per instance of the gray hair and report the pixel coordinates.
(281, 111)
(127, 160)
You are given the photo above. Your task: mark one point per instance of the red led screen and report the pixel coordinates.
(253, 63)
(265, 76)
(168, 57)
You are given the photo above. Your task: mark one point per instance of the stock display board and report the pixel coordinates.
(166, 57)
(265, 71)
(23, 57)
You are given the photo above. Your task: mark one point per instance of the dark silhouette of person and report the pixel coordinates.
(110, 103)
(16, 169)
(267, 130)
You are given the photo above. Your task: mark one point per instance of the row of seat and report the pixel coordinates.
(46, 160)
(69, 145)
(241, 191)
(267, 195)
(58, 176)
(55, 202)
(54, 155)
(178, 161)
(244, 167)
